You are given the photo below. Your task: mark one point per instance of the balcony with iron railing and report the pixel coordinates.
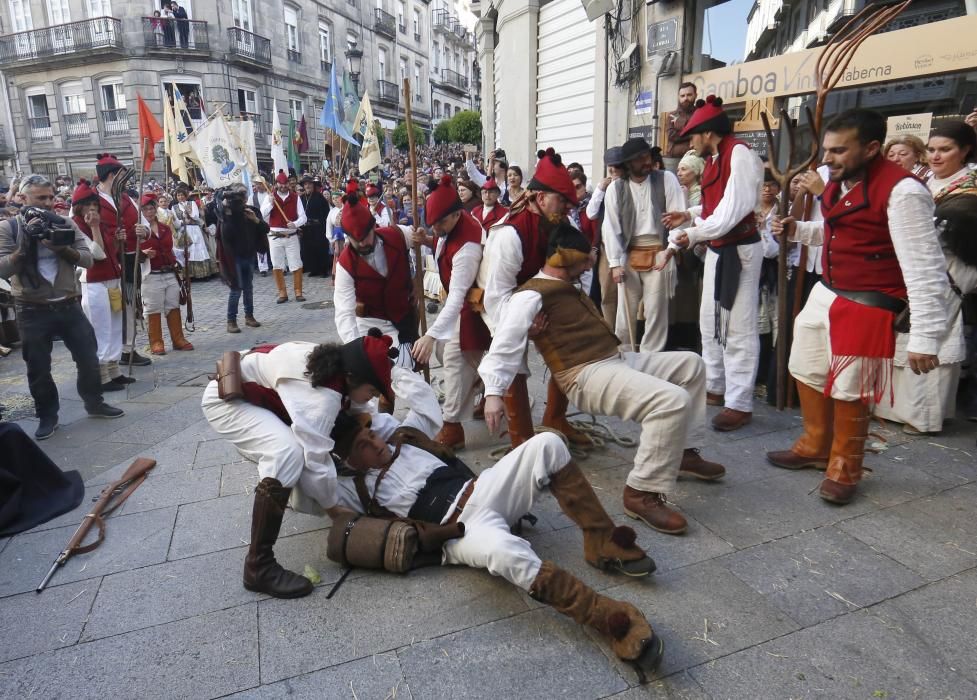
(384, 23)
(387, 93)
(248, 49)
(40, 129)
(325, 65)
(61, 44)
(115, 123)
(442, 21)
(169, 36)
(453, 80)
(294, 56)
(74, 127)
(255, 119)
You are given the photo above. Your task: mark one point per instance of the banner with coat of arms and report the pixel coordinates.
(218, 152)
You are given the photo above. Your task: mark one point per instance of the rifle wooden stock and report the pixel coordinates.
(112, 496)
(418, 255)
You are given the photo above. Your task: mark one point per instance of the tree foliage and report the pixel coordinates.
(399, 136)
(466, 127)
(442, 132)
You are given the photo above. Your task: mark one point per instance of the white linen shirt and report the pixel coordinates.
(464, 269)
(268, 204)
(611, 232)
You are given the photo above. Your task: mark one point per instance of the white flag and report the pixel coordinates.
(244, 132)
(364, 124)
(278, 158)
(181, 117)
(218, 153)
(175, 149)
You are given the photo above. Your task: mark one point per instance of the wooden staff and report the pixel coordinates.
(418, 256)
(135, 258)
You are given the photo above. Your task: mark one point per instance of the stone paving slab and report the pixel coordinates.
(177, 488)
(678, 686)
(532, 649)
(27, 628)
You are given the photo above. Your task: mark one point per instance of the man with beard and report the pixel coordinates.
(731, 185)
(314, 247)
(285, 215)
(679, 145)
(664, 391)
(241, 234)
(515, 251)
(489, 212)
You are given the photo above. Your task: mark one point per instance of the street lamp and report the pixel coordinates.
(353, 58)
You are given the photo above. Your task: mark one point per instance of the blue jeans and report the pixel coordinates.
(244, 270)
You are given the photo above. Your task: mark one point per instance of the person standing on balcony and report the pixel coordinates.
(182, 24)
(169, 33)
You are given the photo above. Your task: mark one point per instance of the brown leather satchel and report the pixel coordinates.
(642, 259)
(229, 383)
(476, 299)
(360, 309)
(373, 543)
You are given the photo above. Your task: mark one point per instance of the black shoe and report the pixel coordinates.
(137, 360)
(123, 380)
(113, 386)
(46, 428)
(103, 410)
(264, 273)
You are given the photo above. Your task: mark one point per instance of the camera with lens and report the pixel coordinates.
(45, 225)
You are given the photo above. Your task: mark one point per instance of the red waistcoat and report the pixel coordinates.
(163, 245)
(474, 333)
(533, 242)
(290, 206)
(490, 219)
(389, 297)
(858, 254)
(109, 220)
(101, 270)
(714, 179)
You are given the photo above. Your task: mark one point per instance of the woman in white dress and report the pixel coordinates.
(200, 264)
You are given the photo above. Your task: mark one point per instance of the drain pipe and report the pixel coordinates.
(665, 69)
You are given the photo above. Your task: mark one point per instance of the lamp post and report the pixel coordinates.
(353, 58)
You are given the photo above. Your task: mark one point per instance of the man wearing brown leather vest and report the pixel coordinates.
(665, 391)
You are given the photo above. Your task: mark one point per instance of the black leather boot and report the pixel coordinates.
(261, 572)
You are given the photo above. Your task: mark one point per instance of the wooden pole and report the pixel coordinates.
(135, 258)
(418, 255)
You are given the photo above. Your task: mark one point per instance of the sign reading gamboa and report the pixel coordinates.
(929, 49)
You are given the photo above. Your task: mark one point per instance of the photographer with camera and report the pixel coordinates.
(241, 235)
(39, 252)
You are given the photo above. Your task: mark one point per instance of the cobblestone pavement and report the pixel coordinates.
(772, 594)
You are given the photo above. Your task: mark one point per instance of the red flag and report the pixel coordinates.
(150, 133)
(303, 145)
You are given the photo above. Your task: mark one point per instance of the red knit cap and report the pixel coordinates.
(148, 198)
(442, 199)
(490, 184)
(352, 186)
(83, 192)
(369, 358)
(356, 220)
(708, 116)
(552, 176)
(372, 190)
(281, 178)
(106, 164)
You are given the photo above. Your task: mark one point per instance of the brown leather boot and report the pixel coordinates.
(280, 283)
(604, 545)
(813, 447)
(251, 322)
(621, 624)
(520, 413)
(651, 509)
(714, 399)
(261, 572)
(730, 419)
(154, 326)
(555, 415)
(693, 465)
(232, 327)
(847, 452)
(175, 325)
(297, 283)
(451, 435)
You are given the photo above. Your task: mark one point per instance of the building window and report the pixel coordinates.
(20, 15)
(247, 101)
(382, 63)
(417, 24)
(292, 34)
(436, 109)
(403, 70)
(75, 111)
(418, 96)
(325, 44)
(115, 117)
(296, 109)
(437, 57)
(99, 8)
(241, 9)
(58, 12)
(402, 16)
(38, 117)
(457, 109)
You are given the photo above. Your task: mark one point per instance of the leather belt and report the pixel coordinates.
(462, 500)
(162, 270)
(279, 234)
(871, 298)
(47, 306)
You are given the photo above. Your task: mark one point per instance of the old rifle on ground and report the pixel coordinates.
(418, 255)
(112, 496)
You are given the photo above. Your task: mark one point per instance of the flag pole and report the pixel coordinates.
(418, 256)
(135, 258)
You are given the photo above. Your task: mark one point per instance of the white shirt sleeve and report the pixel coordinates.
(596, 199)
(809, 232)
(505, 262)
(424, 410)
(502, 362)
(464, 267)
(473, 174)
(739, 199)
(266, 203)
(301, 219)
(610, 229)
(917, 247)
(97, 252)
(313, 412)
(329, 226)
(344, 303)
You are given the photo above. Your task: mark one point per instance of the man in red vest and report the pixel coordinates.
(107, 168)
(490, 212)
(380, 211)
(881, 257)
(731, 185)
(373, 286)
(285, 215)
(515, 251)
(459, 328)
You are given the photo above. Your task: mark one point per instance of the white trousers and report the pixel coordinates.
(504, 493)
(665, 392)
(653, 289)
(460, 372)
(107, 323)
(731, 370)
(160, 293)
(285, 249)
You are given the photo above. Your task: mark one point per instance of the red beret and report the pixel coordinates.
(148, 198)
(281, 178)
(372, 190)
(352, 186)
(369, 358)
(490, 184)
(356, 220)
(442, 199)
(83, 192)
(708, 116)
(552, 176)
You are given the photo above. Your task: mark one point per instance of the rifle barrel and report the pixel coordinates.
(50, 573)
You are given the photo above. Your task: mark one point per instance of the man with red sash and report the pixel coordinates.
(292, 395)
(285, 214)
(459, 328)
(731, 185)
(514, 252)
(373, 285)
(880, 252)
(380, 211)
(489, 212)
(107, 168)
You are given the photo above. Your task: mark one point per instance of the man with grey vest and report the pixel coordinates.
(39, 252)
(635, 241)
